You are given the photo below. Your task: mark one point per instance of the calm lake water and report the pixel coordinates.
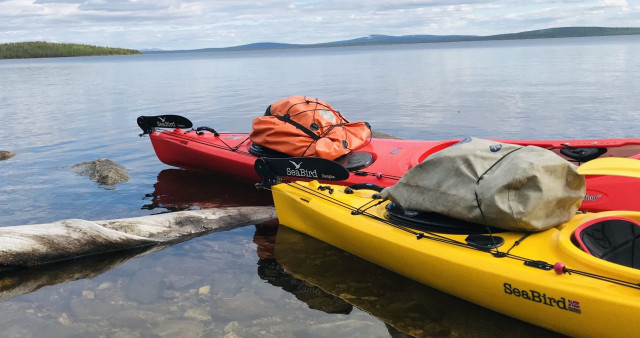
(58, 112)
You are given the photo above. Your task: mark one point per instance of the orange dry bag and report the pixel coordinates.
(303, 126)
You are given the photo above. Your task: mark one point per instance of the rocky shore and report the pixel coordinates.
(5, 155)
(103, 171)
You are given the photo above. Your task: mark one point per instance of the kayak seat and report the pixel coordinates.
(583, 154)
(352, 161)
(431, 221)
(614, 239)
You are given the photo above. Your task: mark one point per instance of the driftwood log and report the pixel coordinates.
(37, 244)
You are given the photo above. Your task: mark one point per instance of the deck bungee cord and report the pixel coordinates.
(376, 175)
(201, 130)
(235, 149)
(478, 204)
(558, 267)
(218, 136)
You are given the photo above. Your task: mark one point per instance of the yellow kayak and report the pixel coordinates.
(543, 278)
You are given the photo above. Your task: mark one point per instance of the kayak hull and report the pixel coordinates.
(228, 154)
(570, 304)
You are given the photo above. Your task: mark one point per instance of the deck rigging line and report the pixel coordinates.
(226, 145)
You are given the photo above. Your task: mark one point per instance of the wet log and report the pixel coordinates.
(37, 244)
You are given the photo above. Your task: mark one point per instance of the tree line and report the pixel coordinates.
(41, 49)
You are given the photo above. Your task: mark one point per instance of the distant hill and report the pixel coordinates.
(561, 32)
(387, 39)
(564, 32)
(252, 46)
(368, 40)
(40, 49)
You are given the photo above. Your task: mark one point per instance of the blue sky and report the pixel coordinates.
(192, 24)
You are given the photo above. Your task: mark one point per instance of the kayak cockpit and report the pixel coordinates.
(615, 239)
(352, 161)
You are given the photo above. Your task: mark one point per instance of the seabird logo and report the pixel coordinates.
(300, 172)
(163, 123)
(592, 197)
(541, 297)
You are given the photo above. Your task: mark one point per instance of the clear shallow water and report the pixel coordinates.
(58, 112)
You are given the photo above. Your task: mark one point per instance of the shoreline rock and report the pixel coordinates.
(103, 171)
(5, 155)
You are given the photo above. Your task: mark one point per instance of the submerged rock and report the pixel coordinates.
(5, 155)
(145, 287)
(103, 171)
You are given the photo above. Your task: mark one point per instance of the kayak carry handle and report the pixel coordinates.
(201, 130)
(362, 186)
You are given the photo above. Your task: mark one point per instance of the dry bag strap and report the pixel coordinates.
(297, 125)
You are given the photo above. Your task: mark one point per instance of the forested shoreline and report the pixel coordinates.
(41, 49)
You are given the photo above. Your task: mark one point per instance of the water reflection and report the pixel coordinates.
(18, 281)
(406, 305)
(187, 289)
(175, 190)
(201, 288)
(273, 273)
(179, 189)
(315, 297)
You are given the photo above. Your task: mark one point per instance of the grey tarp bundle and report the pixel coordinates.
(498, 184)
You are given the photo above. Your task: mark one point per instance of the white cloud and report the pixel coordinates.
(175, 24)
(621, 3)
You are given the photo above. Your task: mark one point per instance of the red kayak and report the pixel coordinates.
(384, 161)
